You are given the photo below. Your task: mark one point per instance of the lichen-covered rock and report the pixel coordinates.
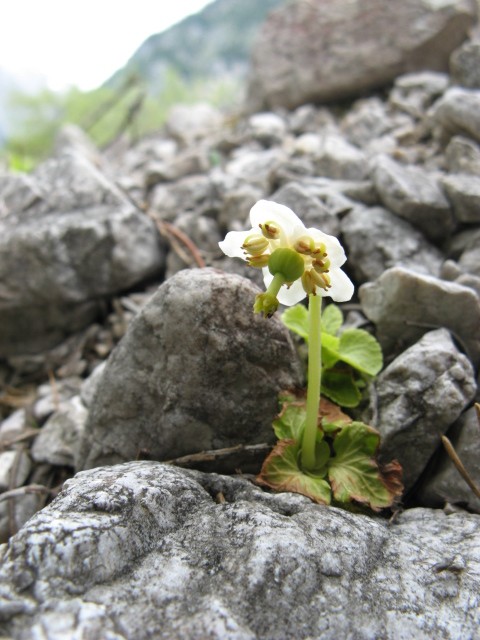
(197, 370)
(326, 50)
(417, 398)
(144, 550)
(458, 112)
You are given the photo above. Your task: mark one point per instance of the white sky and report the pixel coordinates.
(81, 42)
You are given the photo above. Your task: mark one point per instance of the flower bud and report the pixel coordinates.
(265, 304)
(288, 263)
(255, 244)
(271, 230)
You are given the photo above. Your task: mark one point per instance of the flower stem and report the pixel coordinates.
(314, 381)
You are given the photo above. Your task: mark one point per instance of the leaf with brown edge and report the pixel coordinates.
(354, 472)
(281, 472)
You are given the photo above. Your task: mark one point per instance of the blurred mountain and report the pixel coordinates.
(213, 43)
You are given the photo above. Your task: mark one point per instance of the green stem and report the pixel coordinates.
(314, 381)
(276, 283)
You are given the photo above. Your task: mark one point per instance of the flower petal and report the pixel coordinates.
(335, 251)
(267, 210)
(232, 245)
(342, 287)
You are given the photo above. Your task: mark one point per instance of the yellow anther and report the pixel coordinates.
(321, 279)
(305, 245)
(259, 261)
(255, 244)
(321, 265)
(270, 230)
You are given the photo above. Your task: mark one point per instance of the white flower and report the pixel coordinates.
(276, 226)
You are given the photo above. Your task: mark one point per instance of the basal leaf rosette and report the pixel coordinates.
(309, 262)
(347, 472)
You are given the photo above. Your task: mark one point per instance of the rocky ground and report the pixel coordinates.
(125, 335)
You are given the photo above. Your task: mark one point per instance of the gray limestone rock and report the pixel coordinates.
(309, 207)
(413, 194)
(376, 240)
(414, 93)
(463, 191)
(189, 123)
(59, 440)
(458, 112)
(78, 241)
(333, 156)
(417, 398)
(142, 550)
(465, 65)
(191, 193)
(444, 483)
(196, 370)
(268, 128)
(404, 305)
(469, 261)
(463, 156)
(321, 50)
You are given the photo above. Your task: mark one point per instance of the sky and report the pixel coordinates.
(81, 43)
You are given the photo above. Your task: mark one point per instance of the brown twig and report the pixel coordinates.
(22, 491)
(171, 232)
(459, 465)
(25, 435)
(215, 454)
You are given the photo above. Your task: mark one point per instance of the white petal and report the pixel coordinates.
(342, 287)
(267, 210)
(232, 245)
(335, 251)
(289, 296)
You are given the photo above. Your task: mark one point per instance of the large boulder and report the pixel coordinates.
(327, 50)
(143, 550)
(68, 239)
(197, 370)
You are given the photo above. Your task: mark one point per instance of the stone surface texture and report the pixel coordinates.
(145, 550)
(326, 50)
(417, 397)
(195, 371)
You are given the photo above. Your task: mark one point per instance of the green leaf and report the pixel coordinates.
(290, 421)
(281, 472)
(332, 319)
(330, 347)
(296, 319)
(353, 472)
(360, 350)
(341, 388)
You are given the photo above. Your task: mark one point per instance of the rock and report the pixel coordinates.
(414, 93)
(190, 123)
(51, 397)
(256, 167)
(195, 371)
(376, 240)
(58, 442)
(463, 191)
(15, 466)
(190, 162)
(458, 112)
(444, 483)
(417, 398)
(465, 65)
(321, 51)
(414, 195)
(228, 570)
(463, 156)
(333, 157)
(309, 208)
(470, 260)
(191, 193)
(404, 304)
(79, 241)
(268, 128)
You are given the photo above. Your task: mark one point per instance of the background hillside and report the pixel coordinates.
(211, 43)
(204, 57)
